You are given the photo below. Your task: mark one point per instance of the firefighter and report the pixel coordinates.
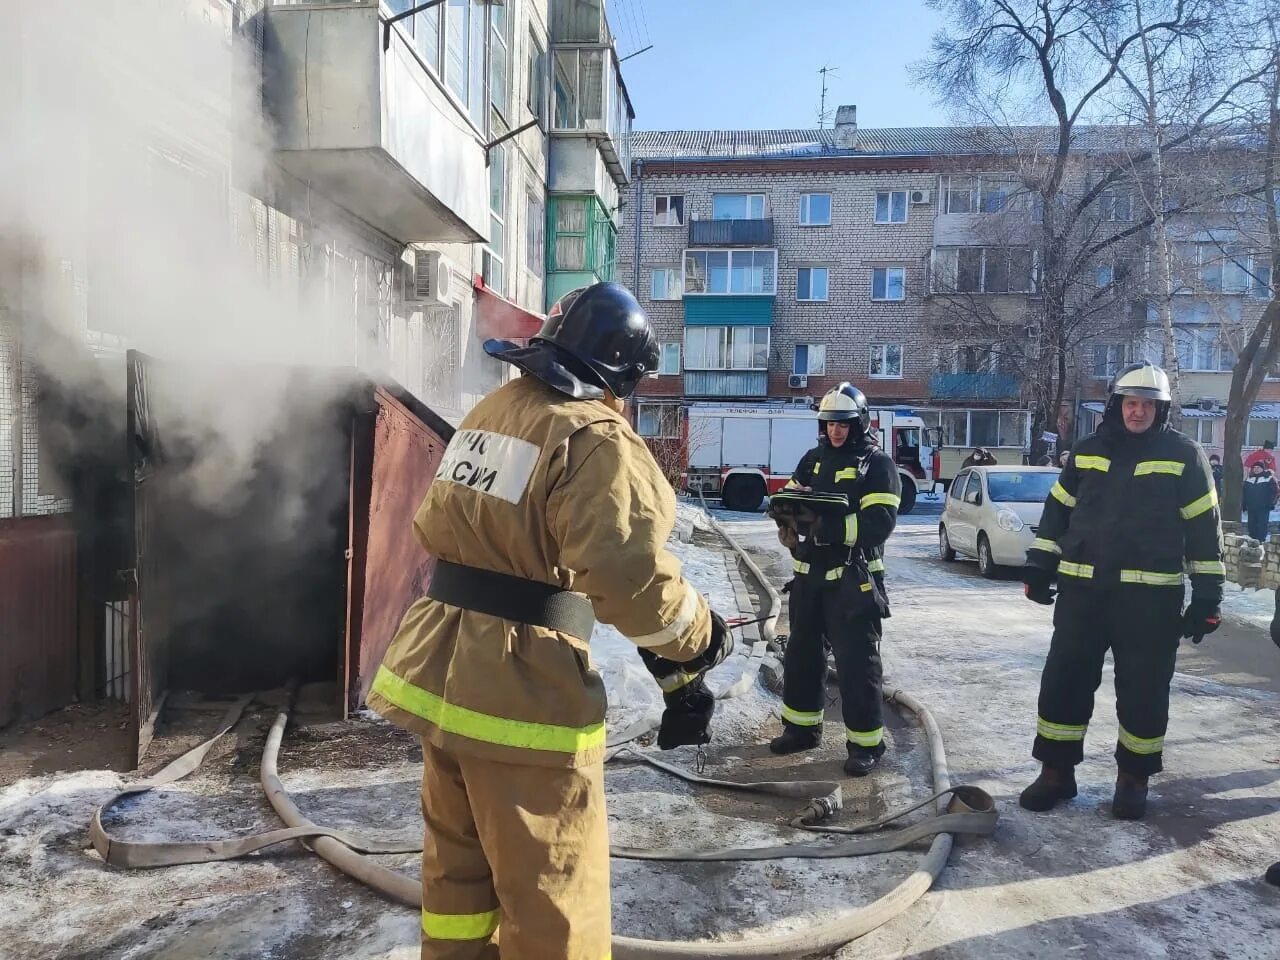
(1134, 505)
(838, 590)
(547, 511)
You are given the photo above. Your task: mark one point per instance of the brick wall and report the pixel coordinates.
(1251, 569)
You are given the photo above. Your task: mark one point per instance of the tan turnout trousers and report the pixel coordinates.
(512, 852)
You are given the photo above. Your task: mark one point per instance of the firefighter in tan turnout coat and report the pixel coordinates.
(546, 512)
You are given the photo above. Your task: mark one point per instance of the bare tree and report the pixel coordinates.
(1004, 61)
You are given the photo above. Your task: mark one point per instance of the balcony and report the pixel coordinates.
(726, 383)
(731, 233)
(973, 386)
(592, 115)
(371, 130)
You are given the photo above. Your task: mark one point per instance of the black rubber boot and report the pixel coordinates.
(1052, 786)
(862, 760)
(1273, 875)
(795, 739)
(1130, 800)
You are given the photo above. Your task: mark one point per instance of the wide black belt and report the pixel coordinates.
(512, 598)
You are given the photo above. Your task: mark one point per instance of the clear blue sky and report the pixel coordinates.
(729, 64)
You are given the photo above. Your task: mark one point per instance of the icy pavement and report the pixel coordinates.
(1076, 883)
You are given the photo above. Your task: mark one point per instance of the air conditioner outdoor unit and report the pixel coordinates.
(1207, 404)
(920, 196)
(797, 380)
(429, 280)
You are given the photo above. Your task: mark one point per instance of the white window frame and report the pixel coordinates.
(666, 218)
(1200, 424)
(671, 285)
(498, 217)
(668, 419)
(1201, 334)
(978, 191)
(889, 195)
(806, 209)
(730, 333)
(1256, 442)
(769, 274)
(946, 271)
(820, 349)
(535, 232)
(885, 270)
(881, 351)
(666, 352)
(826, 284)
(1118, 362)
(537, 96)
(1115, 205)
(750, 198)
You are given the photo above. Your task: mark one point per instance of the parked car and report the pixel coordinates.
(992, 513)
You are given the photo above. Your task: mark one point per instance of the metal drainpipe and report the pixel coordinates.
(637, 212)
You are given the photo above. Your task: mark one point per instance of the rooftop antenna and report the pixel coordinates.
(823, 115)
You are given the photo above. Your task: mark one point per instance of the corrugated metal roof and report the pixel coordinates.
(1260, 411)
(887, 141)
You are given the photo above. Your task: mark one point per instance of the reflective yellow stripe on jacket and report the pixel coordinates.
(1173, 468)
(1202, 505)
(1083, 571)
(459, 926)
(1087, 462)
(1059, 493)
(502, 731)
(846, 473)
(1048, 546)
(880, 500)
(802, 566)
(1151, 578)
(850, 529)
(1209, 567)
(876, 566)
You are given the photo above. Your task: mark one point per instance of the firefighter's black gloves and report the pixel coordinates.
(687, 719)
(1037, 584)
(1201, 618)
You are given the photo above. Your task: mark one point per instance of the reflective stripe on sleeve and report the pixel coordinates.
(1083, 571)
(1140, 745)
(800, 566)
(1062, 732)
(1086, 462)
(459, 926)
(1048, 546)
(880, 500)
(1059, 493)
(1212, 568)
(503, 731)
(850, 529)
(1151, 578)
(801, 718)
(1202, 505)
(1173, 468)
(835, 573)
(876, 566)
(677, 628)
(847, 473)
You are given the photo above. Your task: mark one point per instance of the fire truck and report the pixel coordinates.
(745, 452)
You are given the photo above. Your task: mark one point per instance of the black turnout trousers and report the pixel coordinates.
(833, 609)
(1141, 625)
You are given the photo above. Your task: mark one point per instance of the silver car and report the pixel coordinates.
(992, 513)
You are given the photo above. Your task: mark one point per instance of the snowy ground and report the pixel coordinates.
(1074, 883)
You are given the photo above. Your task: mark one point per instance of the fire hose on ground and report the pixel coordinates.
(960, 810)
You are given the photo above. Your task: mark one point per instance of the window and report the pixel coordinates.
(730, 271)
(809, 359)
(811, 283)
(886, 361)
(737, 206)
(957, 486)
(658, 420)
(1219, 268)
(494, 252)
(535, 233)
(815, 209)
(888, 283)
(537, 88)
(1259, 432)
(668, 211)
(1109, 359)
(499, 58)
(1115, 205)
(426, 35)
(726, 348)
(669, 364)
(664, 284)
(1260, 277)
(891, 207)
(984, 270)
(458, 47)
(571, 233)
(1199, 429)
(973, 491)
(986, 194)
(1203, 349)
(971, 358)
